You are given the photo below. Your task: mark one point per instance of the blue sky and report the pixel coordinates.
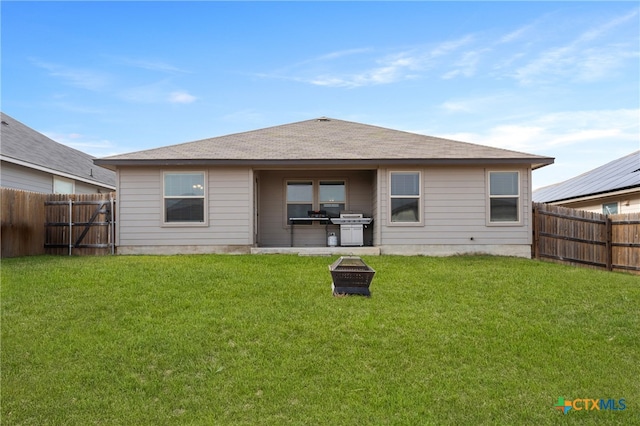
(552, 78)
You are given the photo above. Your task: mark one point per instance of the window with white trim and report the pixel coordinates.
(299, 198)
(610, 208)
(184, 197)
(63, 185)
(504, 197)
(332, 197)
(405, 197)
(303, 196)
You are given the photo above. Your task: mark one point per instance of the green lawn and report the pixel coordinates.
(252, 340)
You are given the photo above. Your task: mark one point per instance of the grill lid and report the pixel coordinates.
(351, 218)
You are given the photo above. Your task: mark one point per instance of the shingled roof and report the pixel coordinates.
(324, 141)
(618, 175)
(24, 146)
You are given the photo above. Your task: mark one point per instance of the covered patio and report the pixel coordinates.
(319, 251)
(314, 196)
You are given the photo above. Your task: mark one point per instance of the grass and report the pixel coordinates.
(246, 340)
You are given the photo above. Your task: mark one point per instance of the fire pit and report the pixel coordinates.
(351, 276)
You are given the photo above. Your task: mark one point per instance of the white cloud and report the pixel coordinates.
(148, 93)
(600, 30)
(181, 97)
(467, 65)
(574, 63)
(530, 54)
(337, 54)
(516, 35)
(587, 135)
(577, 126)
(90, 145)
(329, 81)
(300, 71)
(156, 93)
(548, 65)
(84, 78)
(578, 140)
(456, 106)
(588, 57)
(551, 131)
(391, 68)
(152, 65)
(498, 101)
(450, 46)
(516, 137)
(524, 54)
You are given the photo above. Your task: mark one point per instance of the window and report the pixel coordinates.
(299, 198)
(184, 197)
(309, 195)
(405, 197)
(504, 197)
(332, 196)
(610, 208)
(63, 186)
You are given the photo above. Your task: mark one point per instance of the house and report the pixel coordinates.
(272, 189)
(609, 189)
(32, 162)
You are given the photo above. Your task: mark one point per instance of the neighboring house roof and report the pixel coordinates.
(24, 146)
(620, 174)
(324, 141)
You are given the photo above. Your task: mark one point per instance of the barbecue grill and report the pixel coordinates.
(351, 228)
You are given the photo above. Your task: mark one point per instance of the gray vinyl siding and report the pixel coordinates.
(627, 203)
(274, 230)
(24, 178)
(229, 207)
(454, 209)
(21, 177)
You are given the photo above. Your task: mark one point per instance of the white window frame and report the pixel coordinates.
(315, 188)
(604, 207)
(286, 196)
(320, 201)
(518, 197)
(64, 181)
(419, 197)
(204, 197)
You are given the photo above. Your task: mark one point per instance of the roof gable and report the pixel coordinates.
(24, 145)
(619, 174)
(321, 141)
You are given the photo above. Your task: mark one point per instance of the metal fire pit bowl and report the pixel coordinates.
(351, 276)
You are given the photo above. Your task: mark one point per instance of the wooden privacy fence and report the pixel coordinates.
(35, 223)
(22, 232)
(578, 237)
(80, 224)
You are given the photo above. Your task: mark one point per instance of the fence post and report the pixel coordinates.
(70, 227)
(609, 246)
(536, 238)
(112, 231)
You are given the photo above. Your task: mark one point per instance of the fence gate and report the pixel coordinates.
(80, 224)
